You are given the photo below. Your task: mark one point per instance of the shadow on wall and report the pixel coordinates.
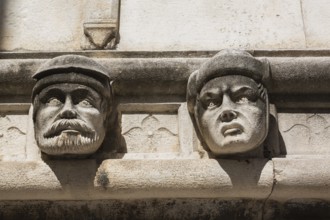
(274, 145)
(250, 176)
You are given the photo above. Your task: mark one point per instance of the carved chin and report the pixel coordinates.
(235, 144)
(69, 144)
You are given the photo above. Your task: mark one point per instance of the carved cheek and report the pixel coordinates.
(209, 121)
(47, 113)
(92, 116)
(254, 119)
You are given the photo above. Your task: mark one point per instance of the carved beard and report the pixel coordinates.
(83, 139)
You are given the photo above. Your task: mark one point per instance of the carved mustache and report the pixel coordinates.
(68, 124)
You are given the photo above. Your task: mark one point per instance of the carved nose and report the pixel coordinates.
(228, 115)
(68, 111)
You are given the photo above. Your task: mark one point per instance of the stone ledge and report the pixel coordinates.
(301, 178)
(185, 178)
(162, 54)
(135, 179)
(167, 76)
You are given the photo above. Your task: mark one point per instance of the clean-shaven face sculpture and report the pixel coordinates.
(228, 106)
(71, 103)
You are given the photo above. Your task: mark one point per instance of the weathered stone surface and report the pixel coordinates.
(54, 180)
(150, 133)
(212, 26)
(25, 180)
(79, 180)
(228, 104)
(297, 209)
(73, 106)
(101, 24)
(305, 133)
(133, 209)
(292, 78)
(46, 25)
(305, 178)
(184, 178)
(189, 143)
(13, 129)
(316, 19)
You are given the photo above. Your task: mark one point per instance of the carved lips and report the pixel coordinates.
(231, 129)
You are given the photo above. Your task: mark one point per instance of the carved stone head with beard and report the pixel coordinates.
(72, 103)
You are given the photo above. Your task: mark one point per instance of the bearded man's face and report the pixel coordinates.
(70, 119)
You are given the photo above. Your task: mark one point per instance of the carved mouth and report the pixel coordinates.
(71, 132)
(69, 127)
(231, 129)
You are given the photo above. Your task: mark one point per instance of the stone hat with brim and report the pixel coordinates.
(224, 63)
(73, 69)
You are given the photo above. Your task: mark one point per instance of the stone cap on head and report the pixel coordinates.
(72, 63)
(226, 62)
(72, 69)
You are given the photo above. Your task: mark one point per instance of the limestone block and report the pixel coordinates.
(301, 178)
(13, 129)
(316, 21)
(25, 180)
(212, 25)
(42, 25)
(188, 139)
(300, 75)
(184, 178)
(53, 180)
(305, 133)
(157, 131)
(160, 77)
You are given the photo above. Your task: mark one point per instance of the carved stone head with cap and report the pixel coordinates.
(72, 103)
(228, 103)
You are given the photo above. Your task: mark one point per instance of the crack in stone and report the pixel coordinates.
(270, 194)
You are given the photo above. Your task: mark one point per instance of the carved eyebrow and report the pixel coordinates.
(49, 92)
(84, 91)
(211, 94)
(237, 89)
(211, 91)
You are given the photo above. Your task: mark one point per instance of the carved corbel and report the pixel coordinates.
(228, 104)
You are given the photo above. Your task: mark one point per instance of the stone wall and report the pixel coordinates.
(168, 26)
(164, 172)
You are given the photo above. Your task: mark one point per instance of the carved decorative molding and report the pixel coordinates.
(101, 26)
(153, 134)
(12, 137)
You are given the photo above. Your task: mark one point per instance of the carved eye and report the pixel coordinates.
(246, 96)
(212, 104)
(85, 103)
(53, 101)
(242, 99)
